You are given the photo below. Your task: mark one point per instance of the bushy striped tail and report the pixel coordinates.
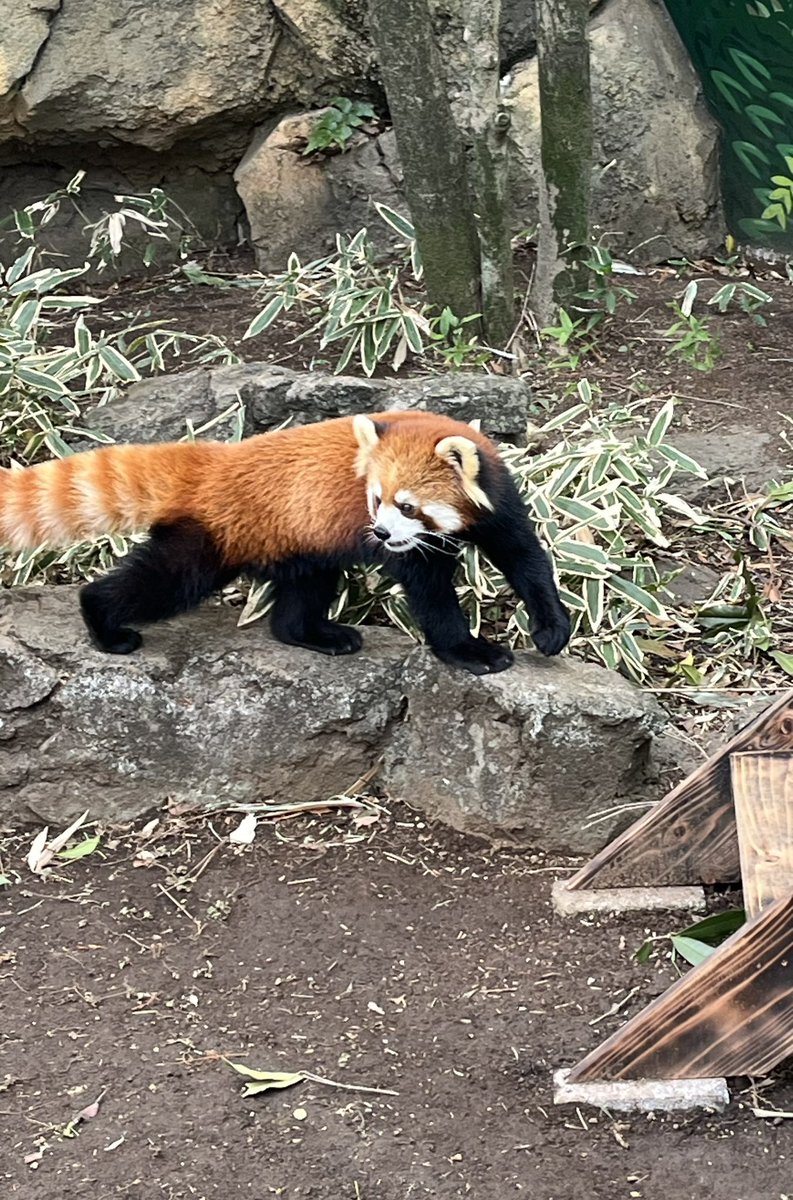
(117, 489)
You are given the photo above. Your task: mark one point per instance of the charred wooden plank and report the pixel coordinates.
(690, 835)
(731, 1015)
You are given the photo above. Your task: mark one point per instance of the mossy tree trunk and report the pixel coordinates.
(565, 179)
(485, 122)
(432, 153)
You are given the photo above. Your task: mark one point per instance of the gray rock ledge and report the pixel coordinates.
(209, 714)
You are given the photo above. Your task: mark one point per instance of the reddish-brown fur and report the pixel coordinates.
(295, 491)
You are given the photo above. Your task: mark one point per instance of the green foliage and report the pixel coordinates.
(56, 362)
(452, 343)
(362, 309)
(604, 291)
(574, 334)
(750, 299)
(335, 127)
(153, 214)
(698, 941)
(571, 335)
(694, 341)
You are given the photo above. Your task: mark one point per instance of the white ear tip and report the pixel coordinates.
(365, 431)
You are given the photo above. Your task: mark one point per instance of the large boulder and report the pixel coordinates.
(206, 713)
(177, 95)
(298, 205)
(655, 178)
(156, 410)
(210, 714)
(147, 78)
(26, 27)
(530, 754)
(655, 172)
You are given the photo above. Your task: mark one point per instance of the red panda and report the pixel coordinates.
(402, 489)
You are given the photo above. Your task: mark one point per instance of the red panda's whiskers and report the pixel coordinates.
(442, 543)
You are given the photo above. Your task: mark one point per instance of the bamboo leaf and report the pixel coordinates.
(681, 460)
(117, 364)
(690, 949)
(717, 926)
(595, 598)
(763, 118)
(266, 317)
(754, 72)
(730, 89)
(752, 158)
(661, 422)
(401, 225)
(637, 595)
(783, 660)
(81, 850)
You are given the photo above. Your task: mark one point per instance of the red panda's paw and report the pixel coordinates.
(478, 656)
(329, 638)
(117, 641)
(340, 639)
(552, 637)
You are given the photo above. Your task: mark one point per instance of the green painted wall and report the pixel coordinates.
(743, 52)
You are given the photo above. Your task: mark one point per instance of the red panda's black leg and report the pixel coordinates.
(177, 568)
(303, 594)
(428, 580)
(507, 538)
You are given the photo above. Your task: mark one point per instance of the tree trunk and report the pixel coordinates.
(431, 151)
(565, 179)
(479, 112)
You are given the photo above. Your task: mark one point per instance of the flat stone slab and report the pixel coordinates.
(568, 903)
(643, 1095)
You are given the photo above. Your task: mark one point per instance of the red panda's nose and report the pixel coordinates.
(381, 533)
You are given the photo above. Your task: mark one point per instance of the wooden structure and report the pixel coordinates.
(731, 820)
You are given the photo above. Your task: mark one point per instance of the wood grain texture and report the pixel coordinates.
(690, 835)
(762, 789)
(731, 1015)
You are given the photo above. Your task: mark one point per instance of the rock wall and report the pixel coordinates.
(156, 410)
(180, 96)
(209, 714)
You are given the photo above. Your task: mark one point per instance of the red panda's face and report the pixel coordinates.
(418, 488)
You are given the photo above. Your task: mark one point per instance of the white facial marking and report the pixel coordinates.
(403, 496)
(405, 531)
(447, 518)
(373, 494)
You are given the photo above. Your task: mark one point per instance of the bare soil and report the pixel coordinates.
(398, 956)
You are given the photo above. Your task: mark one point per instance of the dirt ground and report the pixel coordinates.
(397, 956)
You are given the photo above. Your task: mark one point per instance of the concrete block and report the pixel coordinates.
(643, 1095)
(616, 900)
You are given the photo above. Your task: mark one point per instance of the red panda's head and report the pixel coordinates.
(419, 483)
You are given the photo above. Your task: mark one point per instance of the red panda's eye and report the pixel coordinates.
(407, 510)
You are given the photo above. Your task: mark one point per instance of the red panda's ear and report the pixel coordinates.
(461, 454)
(367, 435)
